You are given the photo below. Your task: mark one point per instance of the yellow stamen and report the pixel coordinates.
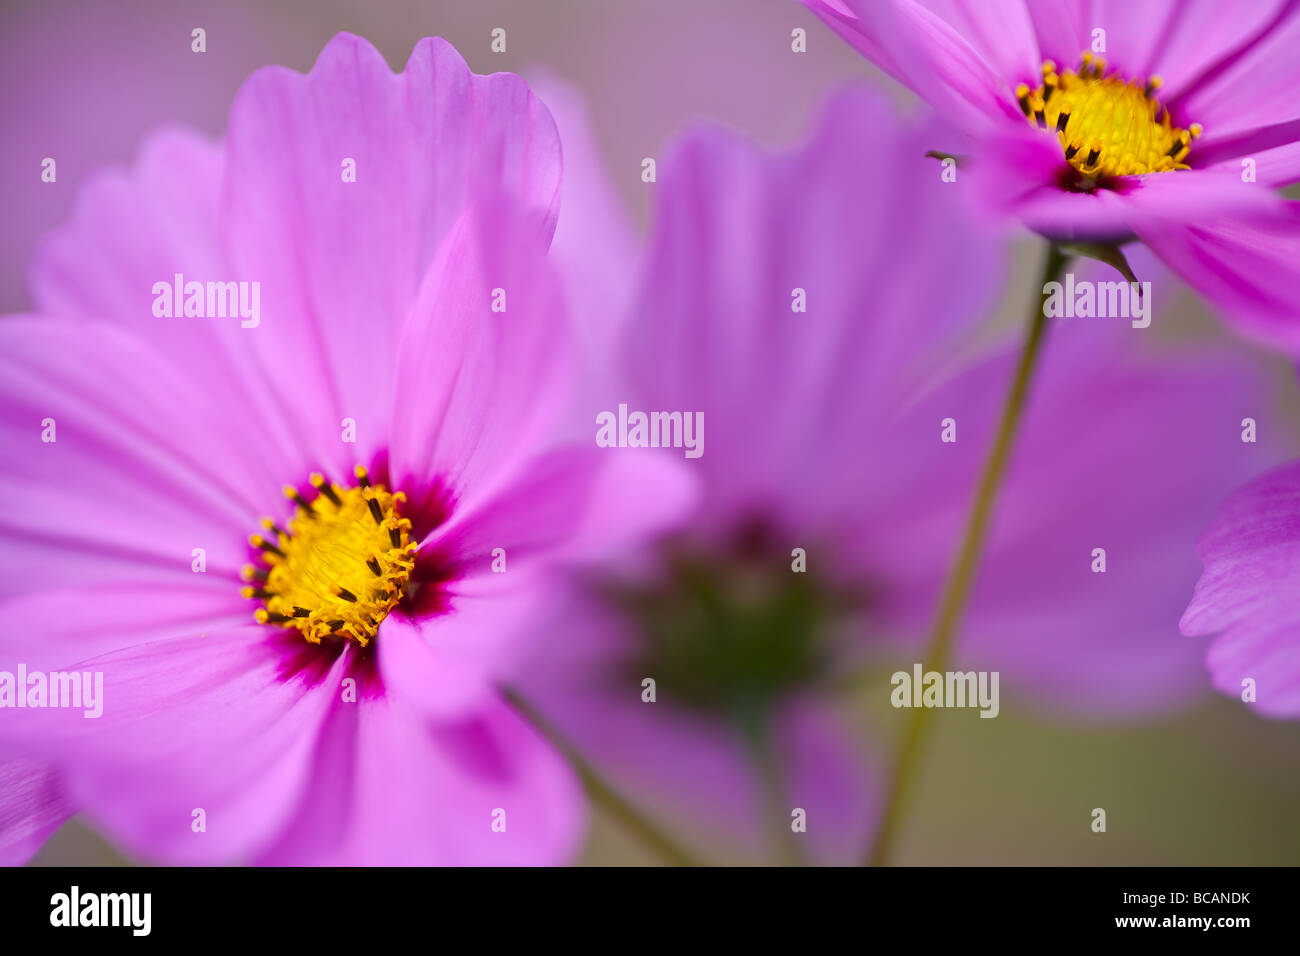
(1124, 128)
(341, 566)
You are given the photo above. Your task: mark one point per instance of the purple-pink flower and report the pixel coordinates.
(1249, 594)
(831, 502)
(363, 450)
(1159, 120)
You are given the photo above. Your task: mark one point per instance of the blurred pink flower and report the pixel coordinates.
(1248, 595)
(1116, 120)
(824, 434)
(305, 736)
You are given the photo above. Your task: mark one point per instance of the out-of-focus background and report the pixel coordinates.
(84, 80)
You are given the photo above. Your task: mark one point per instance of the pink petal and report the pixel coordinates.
(57, 628)
(144, 468)
(572, 504)
(1063, 29)
(388, 788)
(1016, 176)
(341, 262)
(1263, 649)
(477, 391)
(224, 722)
(1001, 31)
(737, 232)
(1197, 36)
(1274, 154)
(1251, 552)
(33, 807)
(934, 59)
(1209, 226)
(132, 230)
(1254, 85)
(595, 252)
(1242, 251)
(447, 665)
(1247, 592)
(1179, 40)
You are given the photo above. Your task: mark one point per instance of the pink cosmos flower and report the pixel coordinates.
(824, 434)
(397, 384)
(1166, 121)
(1247, 595)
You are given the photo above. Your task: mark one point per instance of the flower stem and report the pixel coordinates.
(961, 577)
(775, 812)
(599, 791)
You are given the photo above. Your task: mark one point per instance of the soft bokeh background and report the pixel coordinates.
(84, 80)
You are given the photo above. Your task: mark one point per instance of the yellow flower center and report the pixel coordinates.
(340, 568)
(1106, 125)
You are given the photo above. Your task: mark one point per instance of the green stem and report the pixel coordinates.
(599, 791)
(775, 813)
(962, 576)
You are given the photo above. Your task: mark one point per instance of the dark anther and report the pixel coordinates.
(328, 491)
(268, 547)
